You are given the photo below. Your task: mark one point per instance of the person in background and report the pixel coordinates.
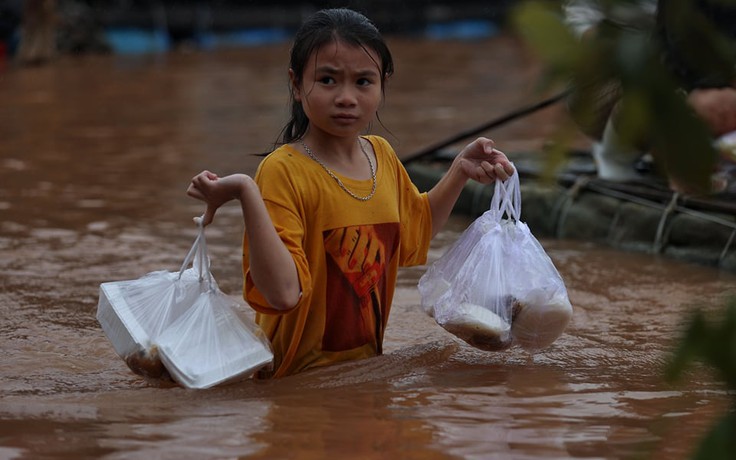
(10, 17)
(709, 91)
(332, 214)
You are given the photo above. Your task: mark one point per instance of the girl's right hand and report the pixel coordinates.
(481, 162)
(214, 191)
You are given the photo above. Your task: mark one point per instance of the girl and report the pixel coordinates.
(332, 214)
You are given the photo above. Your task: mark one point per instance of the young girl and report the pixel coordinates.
(332, 214)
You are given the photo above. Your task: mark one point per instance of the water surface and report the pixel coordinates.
(95, 156)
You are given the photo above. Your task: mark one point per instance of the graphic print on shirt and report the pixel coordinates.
(356, 277)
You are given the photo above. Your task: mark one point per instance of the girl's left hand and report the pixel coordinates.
(481, 162)
(215, 191)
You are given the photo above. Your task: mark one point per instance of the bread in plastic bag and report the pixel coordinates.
(136, 314)
(496, 286)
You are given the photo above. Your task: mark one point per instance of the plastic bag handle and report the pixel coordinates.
(507, 198)
(204, 266)
(199, 247)
(190, 255)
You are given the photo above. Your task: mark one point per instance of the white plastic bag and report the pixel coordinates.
(180, 325)
(496, 286)
(133, 313)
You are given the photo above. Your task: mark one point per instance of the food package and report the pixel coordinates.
(496, 286)
(133, 313)
(541, 318)
(212, 343)
(136, 314)
(438, 278)
(479, 327)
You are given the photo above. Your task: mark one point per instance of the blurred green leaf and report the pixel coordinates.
(708, 340)
(699, 46)
(720, 442)
(626, 64)
(626, 69)
(542, 26)
(711, 341)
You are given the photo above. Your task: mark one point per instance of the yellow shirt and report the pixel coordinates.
(347, 254)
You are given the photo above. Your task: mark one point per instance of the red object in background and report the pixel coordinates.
(3, 54)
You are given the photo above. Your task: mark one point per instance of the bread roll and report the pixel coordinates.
(536, 326)
(479, 327)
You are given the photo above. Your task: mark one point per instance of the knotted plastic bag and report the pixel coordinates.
(180, 325)
(496, 286)
(134, 313)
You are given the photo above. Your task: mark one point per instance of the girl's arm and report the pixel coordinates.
(271, 266)
(478, 161)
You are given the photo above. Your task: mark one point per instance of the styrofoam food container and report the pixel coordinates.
(121, 327)
(213, 343)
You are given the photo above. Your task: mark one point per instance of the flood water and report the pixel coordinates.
(95, 157)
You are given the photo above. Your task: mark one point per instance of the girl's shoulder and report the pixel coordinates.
(284, 156)
(379, 142)
(283, 153)
(382, 147)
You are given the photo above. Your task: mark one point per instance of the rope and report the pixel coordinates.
(725, 249)
(580, 183)
(635, 199)
(614, 222)
(658, 243)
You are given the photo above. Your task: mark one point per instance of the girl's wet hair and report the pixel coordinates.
(325, 26)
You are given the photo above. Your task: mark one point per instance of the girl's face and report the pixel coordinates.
(340, 89)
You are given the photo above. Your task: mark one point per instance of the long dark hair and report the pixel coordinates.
(323, 27)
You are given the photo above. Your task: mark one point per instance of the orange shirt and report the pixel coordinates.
(347, 254)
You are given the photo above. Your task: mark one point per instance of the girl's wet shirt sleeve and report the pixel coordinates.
(415, 214)
(282, 202)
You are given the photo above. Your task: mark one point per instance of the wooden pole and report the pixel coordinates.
(38, 32)
(519, 113)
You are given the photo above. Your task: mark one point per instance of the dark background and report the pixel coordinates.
(81, 25)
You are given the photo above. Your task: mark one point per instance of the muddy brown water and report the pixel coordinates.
(95, 156)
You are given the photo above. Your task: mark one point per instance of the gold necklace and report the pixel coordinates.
(337, 179)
